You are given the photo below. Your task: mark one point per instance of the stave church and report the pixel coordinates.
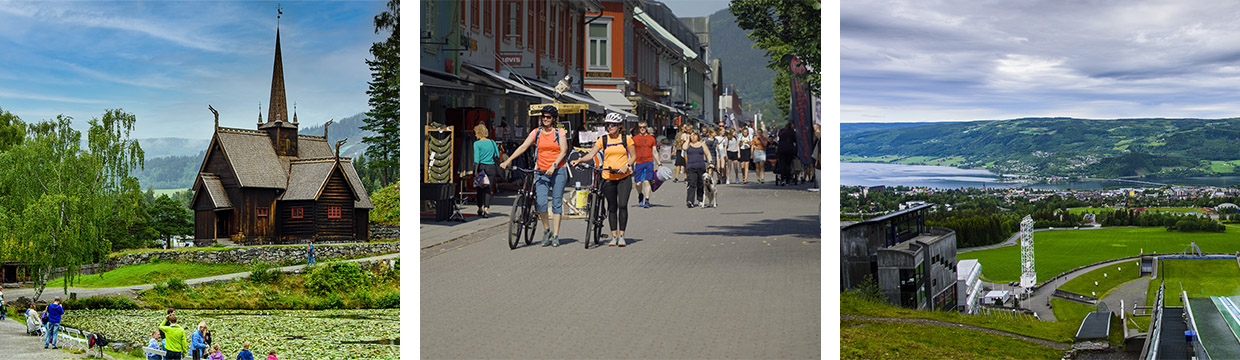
(273, 185)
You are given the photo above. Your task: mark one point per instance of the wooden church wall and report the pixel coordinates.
(336, 193)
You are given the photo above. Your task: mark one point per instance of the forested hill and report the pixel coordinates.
(857, 128)
(744, 66)
(1064, 146)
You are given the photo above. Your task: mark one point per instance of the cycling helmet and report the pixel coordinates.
(614, 118)
(551, 109)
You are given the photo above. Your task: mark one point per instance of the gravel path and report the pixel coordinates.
(130, 291)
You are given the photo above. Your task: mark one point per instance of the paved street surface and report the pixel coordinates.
(16, 345)
(738, 281)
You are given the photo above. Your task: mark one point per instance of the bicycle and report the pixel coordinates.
(524, 218)
(596, 216)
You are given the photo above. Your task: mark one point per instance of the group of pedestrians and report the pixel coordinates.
(45, 323)
(170, 338)
(627, 161)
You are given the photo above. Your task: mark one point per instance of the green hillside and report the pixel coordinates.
(1066, 146)
(744, 66)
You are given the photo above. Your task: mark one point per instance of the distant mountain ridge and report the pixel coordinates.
(1065, 146)
(744, 66)
(172, 163)
(857, 128)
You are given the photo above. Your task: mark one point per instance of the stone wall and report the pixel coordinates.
(273, 255)
(382, 232)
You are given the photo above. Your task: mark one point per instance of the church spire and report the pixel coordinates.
(277, 107)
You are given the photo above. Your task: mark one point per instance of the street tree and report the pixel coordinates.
(62, 197)
(783, 27)
(384, 115)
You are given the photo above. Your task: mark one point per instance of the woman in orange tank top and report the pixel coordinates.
(551, 145)
(618, 154)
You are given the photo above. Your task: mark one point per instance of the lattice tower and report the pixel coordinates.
(1028, 276)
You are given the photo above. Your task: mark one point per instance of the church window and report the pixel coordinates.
(333, 212)
(298, 212)
(262, 212)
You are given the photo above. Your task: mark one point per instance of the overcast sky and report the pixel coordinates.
(975, 60)
(166, 61)
(695, 8)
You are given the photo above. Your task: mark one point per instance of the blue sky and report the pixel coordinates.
(910, 60)
(166, 61)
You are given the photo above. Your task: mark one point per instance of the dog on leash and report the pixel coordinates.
(710, 196)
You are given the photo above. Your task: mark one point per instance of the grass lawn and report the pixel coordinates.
(149, 274)
(1221, 166)
(1200, 278)
(1107, 278)
(880, 340)
(1058, 331)
(1071, 311)
(223, 248)
(1058, 251)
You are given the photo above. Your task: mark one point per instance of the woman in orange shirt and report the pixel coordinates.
(759, 155)
(551, 146)
(619, 154)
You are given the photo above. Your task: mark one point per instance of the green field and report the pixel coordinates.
(149, 274)
(1057, 331)
(1058, 251)
(168, 192)
(1199, 278)
(1107, 278)
(1070, 311)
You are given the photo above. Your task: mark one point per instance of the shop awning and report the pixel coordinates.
(510, 86)
(612, 97)
(436, 85)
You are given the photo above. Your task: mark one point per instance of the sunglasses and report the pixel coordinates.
(613, 124)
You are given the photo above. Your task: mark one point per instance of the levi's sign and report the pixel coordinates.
(510, 59)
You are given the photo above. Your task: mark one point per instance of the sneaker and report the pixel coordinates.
(689, 205)
(613, 241)
(546, 237)
(621, 241)
(555, 241)
(647, 203)
(813, 189)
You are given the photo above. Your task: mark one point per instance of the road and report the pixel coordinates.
(49, 293)
(738, 281)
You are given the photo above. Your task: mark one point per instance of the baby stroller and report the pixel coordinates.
(34, 325)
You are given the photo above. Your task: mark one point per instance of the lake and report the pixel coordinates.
(946, 177)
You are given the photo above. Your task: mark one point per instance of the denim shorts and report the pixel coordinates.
(554, 184)
(643, 171)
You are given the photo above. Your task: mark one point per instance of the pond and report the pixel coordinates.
(294, 334)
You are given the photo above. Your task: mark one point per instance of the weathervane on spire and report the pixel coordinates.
(279, 11)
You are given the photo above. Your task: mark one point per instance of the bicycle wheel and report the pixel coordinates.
(531, 219)
(591, 225)
(515, 222)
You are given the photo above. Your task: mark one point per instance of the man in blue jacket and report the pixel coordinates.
(54, 312)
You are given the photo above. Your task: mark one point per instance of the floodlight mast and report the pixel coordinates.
(1028, 276)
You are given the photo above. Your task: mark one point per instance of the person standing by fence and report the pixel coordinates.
(310, 252)
(54, 314)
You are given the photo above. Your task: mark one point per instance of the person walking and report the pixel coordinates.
(54, 314)
(697, 160)
(785, 153)
(708, 138)
(309, 253)
(486, 158)
(174, 338)
(721, 159)
(681, 138)
(551, 147)
(746, 153)
(198, 343)
(618, 154)
(643, 170)
(734, 149)
(759, 155)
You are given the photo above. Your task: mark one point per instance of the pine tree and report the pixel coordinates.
(384, 115)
